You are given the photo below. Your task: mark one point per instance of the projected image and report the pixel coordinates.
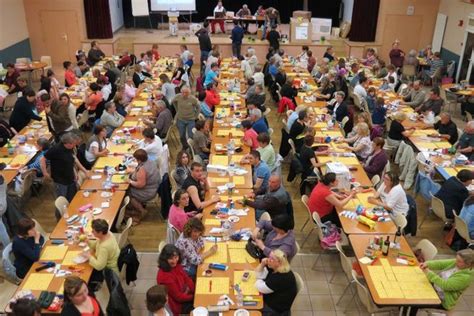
(166, 5)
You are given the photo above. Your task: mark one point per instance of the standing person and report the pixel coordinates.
(4, 238)
(204, 43)
(63, 161)
(396, 55)
(95, 54)
(26, 246)
(24, 111)
(58, 113)
(272, 18)
(274, 38)
(219, 15)
(243, 13)
(187, 110)
(236, 37)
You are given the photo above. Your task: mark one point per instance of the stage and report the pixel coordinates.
(141, 40)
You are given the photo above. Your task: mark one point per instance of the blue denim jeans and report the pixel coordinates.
(204, 55)
(66, 190)
(183, 127)
(4, 238)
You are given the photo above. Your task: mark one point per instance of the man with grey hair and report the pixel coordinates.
(62, 162)
(446, 128)
(258, 120)
(415, 96)
(164, 119)
(274, 200)
(294, 116)
(466, 141)
(242, 13)
(187, 110)
(110, 118)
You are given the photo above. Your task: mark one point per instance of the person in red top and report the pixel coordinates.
(179, 285)
(77, 300)
(250, 135)
(69, 76)
(324, 201)
(125, 60)
(212, 95)
(93, 98)
(11, 78)
(154, 51)
(311, 61)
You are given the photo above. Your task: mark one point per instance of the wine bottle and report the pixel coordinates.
(386, 246)
(398, 234)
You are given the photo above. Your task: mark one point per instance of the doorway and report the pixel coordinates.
(465, 70)
(61, 37)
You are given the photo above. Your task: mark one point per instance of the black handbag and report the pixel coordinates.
(253, 250)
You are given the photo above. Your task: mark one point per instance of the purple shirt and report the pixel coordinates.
(286, 244)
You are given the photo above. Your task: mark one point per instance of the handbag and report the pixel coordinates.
(253, 250)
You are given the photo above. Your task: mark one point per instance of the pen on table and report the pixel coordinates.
(374, 261)
(210, 286)
(215, 240)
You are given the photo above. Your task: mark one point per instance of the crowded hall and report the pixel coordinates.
(246, 158)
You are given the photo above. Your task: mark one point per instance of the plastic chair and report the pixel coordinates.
(265, 217)
(400, 221)
(299, 282)
(122, 237)
(267, 111)
(409, 71)
(438, 209)
(346, 263)
(41, 230)
(61, 203)
(172, 234)
(7, 263)
(462, 229)
(47, 60)
(196, 158)
(293, 147)
(270, 131)
(9, 101)
(121, 213)
(304, 199)
(375, 180)
(174, 184)
(428, 250)
(161, 245)
(21, 197)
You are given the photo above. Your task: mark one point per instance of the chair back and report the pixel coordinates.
(161, 245)
(462, 228)
(428, 250)
(41, 230)
(83, 119)
(438, 207)
(196, 158)
(363, 293)
(61, 203)
(267, 111)
(409, 70)
(9, 101)
(28, 178)
(121, 214)
(47, 61)
(265, 217)
(375, 180)
(23, 60)
(293, 147)
(346, 263)
(7, 263)
(172, 234)
(468, 117)
(299, 282)
(123, 236)
(270, 131)
(174, 184)
(400, 220)
(319, 225)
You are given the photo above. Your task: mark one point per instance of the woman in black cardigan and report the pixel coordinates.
(77, 300)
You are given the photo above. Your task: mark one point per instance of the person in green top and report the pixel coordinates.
(266, 149)
(106, 249)
(451, 277)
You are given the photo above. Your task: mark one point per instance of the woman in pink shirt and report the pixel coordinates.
(177, 216)
(250, 135)
(130, 91)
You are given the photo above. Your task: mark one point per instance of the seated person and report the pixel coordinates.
(446, 128)
(196, 185)
(415, 96)
(377, 160)
(212, 98)
(466, 141)
(453, 192)
(179, 285)
(298, 129)
(467, 214)
(144, 181)
(26, 246)
(104, 248)
(397, 131)
(156, 301)
(379, 112)
(151, 143)
(77, 300)
(340, 108)
(42, 145)
(25, 307)
(277, 283)
(96, 146)
(178, 217)
(191, 244)
(362, 146)
(261, 172)
(307, 157)
(391, 196)
(205, 109)
(266, 150)
(257, 98)
(259, 124)
(202, 142)
(280, 236)
(110, 118)
(450, 277)
(182, 169)
(274, 200)
(324, 201)
(250, 135)
(434, 103)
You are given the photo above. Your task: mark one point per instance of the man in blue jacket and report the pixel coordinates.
(236, 37)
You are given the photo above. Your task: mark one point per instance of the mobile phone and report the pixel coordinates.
(245, 276)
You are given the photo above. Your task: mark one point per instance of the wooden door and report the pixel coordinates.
(406, 29)
(60, 30)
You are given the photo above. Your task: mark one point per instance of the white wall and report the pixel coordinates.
(454, 34)
(348, 7)
(13, 28)
(116, 14)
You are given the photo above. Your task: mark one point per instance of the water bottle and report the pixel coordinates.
(239, 296)
(65, 212)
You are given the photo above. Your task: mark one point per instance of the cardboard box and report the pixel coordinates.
(300, 31)
(302, 14)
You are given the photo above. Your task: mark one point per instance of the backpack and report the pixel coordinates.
(331, 234)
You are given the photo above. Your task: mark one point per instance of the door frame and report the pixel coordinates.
(469, 29)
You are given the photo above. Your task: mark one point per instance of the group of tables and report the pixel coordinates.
(101, 202)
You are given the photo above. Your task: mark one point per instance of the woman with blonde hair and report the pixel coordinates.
(362, 146)
(362, 117)
(277, 283)
(397, 131)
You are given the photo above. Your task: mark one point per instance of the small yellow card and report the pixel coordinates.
(130, 124)
(38, 281)
(247, 287)
(220, 256)
(19, 160)
(108, 161)
(240, 256)
(140, 102)
(119, 149)
(219, 160)
(119, 178)
(69, 258)
(53, 253)
(212, 285)
(238, 180)
(212, 222)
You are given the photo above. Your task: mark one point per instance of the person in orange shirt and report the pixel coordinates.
(69, 76)
(93, 98)
(212, 96)
(154, 51)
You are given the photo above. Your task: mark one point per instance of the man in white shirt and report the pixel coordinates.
(151, 143)
(392, 72)
(184, 53)
(360, 88)
(219, 15)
